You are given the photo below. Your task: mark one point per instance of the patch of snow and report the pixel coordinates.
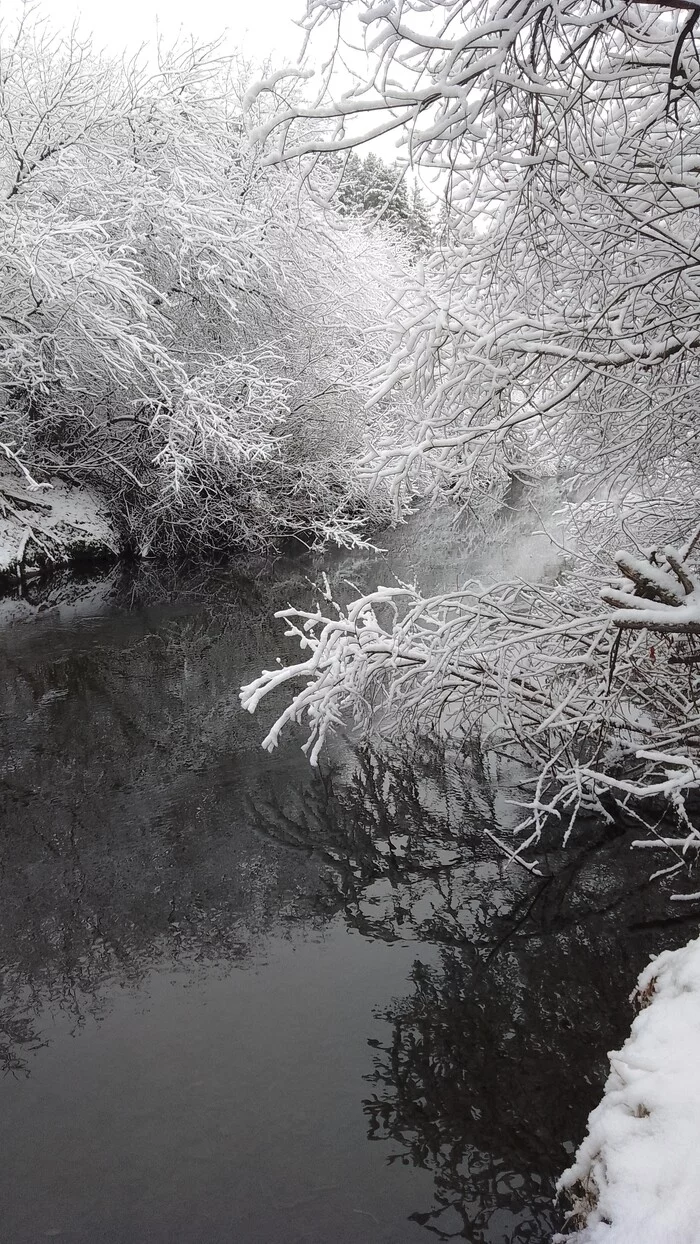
(636, 1178)
(58, 525)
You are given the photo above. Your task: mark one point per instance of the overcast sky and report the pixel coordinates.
(259, 27)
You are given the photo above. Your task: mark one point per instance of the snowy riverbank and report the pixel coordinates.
(48, 527)
(635, 1178)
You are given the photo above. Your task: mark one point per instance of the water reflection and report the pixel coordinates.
(143, 829)
(497, 1054)
(123, 783)
(484, 1079)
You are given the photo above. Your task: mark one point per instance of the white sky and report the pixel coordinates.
(258, 27)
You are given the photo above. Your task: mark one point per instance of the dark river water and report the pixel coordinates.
(246, 1003)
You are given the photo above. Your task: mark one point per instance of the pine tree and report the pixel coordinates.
(373, 187)
(420, 226)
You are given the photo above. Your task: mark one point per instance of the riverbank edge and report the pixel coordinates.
(51, 527)
(634, 1177)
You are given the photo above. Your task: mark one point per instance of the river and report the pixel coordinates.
(246, 1003)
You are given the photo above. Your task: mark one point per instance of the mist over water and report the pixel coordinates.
(246, 1002)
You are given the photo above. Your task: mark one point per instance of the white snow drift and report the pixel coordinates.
(636, 1178)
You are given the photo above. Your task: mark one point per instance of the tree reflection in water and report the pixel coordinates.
(124, 842)
(519, 986)
(135, 835)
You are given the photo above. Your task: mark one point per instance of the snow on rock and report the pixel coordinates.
(50, 526)
(636, 1178)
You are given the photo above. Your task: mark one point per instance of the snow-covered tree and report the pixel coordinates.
(557, 330)
(184, 329)
(420, 226)
(369, 187)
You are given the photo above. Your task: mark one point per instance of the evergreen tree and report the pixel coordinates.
(371, 186)
(420, 226)
(377, 189)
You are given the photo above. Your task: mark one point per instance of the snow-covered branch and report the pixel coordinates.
(533, 671)
(660, 596)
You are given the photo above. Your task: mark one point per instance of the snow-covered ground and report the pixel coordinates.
(636, 1177)
(51, 526)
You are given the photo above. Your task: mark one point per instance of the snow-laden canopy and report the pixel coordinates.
(555, 331)
(563, 303)
(183, 329)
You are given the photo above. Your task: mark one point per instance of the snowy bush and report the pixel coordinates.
(187, 331)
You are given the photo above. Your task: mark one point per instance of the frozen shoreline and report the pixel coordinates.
(635, 1177)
